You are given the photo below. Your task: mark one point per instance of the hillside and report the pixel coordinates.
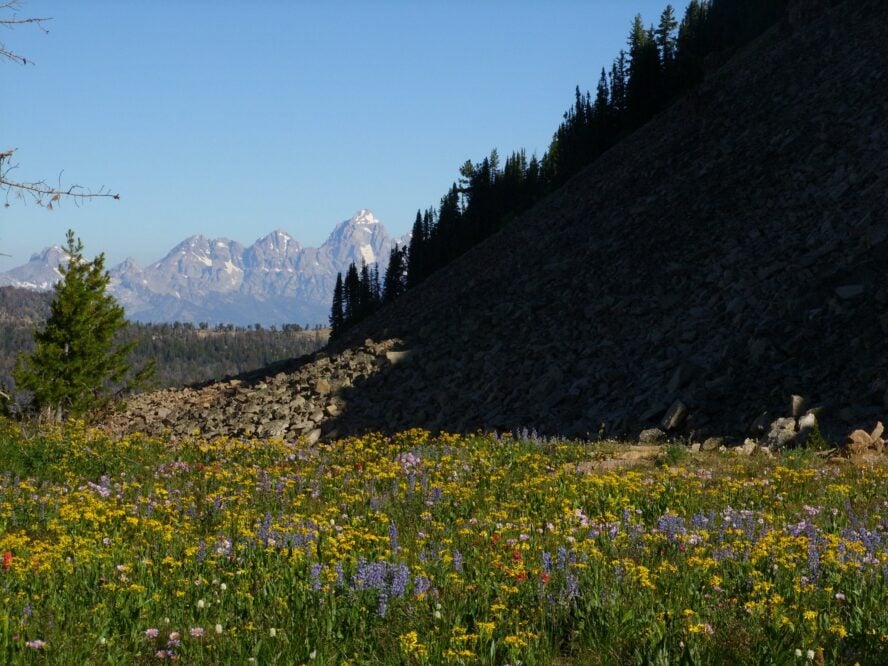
(727, 255)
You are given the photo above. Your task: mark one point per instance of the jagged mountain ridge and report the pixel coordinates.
(727, 255)
(275, 280)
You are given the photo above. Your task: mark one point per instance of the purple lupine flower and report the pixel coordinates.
(421, 585)
(369, 575)
(382, 604)
(340, 575)
(571, 586)
(399, 577)
(393, 537)
(671, 526)
(316, 584)
(264, 531)
(457, 560)
(813, 561)
(700, 520)
(546, 562)
(797, 529)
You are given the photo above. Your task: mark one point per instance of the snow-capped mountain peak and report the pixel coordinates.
(275, 280)
(40, 273)
(364, 216)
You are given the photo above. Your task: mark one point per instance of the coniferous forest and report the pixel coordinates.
(183, 353)
(661, 63)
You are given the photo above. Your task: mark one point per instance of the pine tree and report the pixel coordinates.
(375, 287)
(395, 276)
(602, 99)
(337, 313)
(619, 72)
(352, 295)
(665, 34)
(365, 306)
(643, 88)
(416, 253)
(691, 46)
(76, 363)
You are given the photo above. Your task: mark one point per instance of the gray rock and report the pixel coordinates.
(396, 357)
(849, 291)
(782, 433)
(675, 415)
(276, 428)
(651, 436)
(807, 426)
(313, 436)
(758, 426)
(747, 448)
(798, 406)
(323, 387)
(712, 443)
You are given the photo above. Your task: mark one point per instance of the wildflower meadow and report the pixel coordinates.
(422, 549)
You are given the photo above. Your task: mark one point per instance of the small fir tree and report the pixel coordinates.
(337, 313)
(395, 275)
(76, 364)
(665, 36)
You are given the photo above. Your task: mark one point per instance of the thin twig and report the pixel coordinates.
(40, 191)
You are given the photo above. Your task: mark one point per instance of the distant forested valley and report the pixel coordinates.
(183, 353)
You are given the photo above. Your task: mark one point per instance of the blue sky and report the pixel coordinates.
(232, 119)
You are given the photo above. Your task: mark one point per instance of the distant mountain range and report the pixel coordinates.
(274, 281)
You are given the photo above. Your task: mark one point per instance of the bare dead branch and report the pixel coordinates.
(40, 192)
(10, 22)
(17, 21)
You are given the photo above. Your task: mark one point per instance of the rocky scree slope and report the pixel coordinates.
(727, 255)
